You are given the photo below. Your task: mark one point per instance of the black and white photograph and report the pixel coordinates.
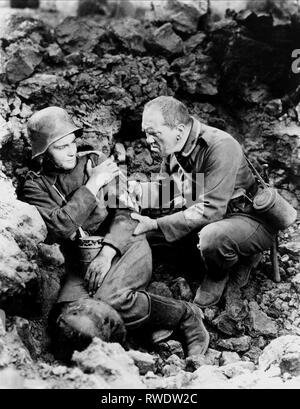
(149, 198)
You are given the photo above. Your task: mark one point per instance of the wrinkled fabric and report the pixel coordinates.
(212, 165)
(66, 204)
(220, 217)
(123, 286)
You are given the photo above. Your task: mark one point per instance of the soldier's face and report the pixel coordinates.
(63, 152)
(161, 138)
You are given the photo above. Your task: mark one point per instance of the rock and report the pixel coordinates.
(59, 370)
(120, 152)
(207, 377)
(197, 74)
(292, 248)
(2, 322)
(211, 357)
(159, 288)
(237, 368)
(228, 325)
(24, 330)
(145, 362)
(296, 282)
(171, 347)
(165, 41)
(194, 42)
(41, 86)
(4, 353)
(179, 381)
(129, 34)
(174, 365)
(11, 379)
(184, 23)
(195, 362)
(198, 8)
(175, 360)
(111, 362)
(5, 134)
(130, 155)
(240, 344)
(281, 141)
(181, 289)
(229, 358)
(184, 14)
(259, 323)
(22, 62)
(55, 53)
(71, 34)
(51, 254)
(210, 313)
(283, 352)
(100, 126)
(274, 107)
(21, 229)
(24, 27)
(144, 157)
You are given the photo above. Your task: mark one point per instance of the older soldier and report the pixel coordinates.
(70, 193)
(207, 160)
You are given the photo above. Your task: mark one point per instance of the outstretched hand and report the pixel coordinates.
(145, 224)
(98, 269)
(103, 173)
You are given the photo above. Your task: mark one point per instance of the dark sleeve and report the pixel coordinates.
(62, 222)
(220, 169)
(120, 204)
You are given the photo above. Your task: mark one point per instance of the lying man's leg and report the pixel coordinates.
(222, 244)
(124, 287)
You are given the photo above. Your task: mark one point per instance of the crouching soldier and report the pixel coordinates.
(72, 192)
(209, 164)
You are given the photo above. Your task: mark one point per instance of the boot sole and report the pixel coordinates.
(216, 300)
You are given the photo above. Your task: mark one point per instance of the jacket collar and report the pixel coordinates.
(197, 130)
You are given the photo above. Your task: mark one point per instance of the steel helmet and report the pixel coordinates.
(48, 126)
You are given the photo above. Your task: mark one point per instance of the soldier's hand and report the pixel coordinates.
(101, 174)
(145, 224)
(98, 269)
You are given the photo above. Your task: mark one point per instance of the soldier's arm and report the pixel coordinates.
(120, 203)
(62, 221)
(221, 167)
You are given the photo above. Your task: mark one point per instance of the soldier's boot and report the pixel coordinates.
(172, 314)
(210, 291)
(244, 268)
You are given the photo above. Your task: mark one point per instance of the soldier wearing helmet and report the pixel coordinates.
(71, 192)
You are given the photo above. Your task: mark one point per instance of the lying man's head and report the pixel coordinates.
(166, 122)
(52, 133)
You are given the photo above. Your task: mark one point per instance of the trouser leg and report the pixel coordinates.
(223, 243)
(124, 286)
